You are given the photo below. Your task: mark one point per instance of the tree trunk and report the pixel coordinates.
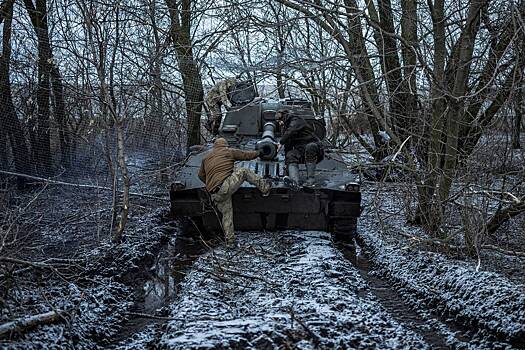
(153, 123)
(281, 46)
(409, 33)
(152, 130)
(181, 36)
(156, 93)
(429, 213)
(194, 96)
(391, 70)
(4, 161)
(42, 148)
(280, 35)
(455, 113)
(359, 58)
(9, 119)
(112, 172)
(280, 84)
(60, 116)
(446, 123)
(121, 155)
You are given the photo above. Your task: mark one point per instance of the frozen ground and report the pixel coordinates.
(302, 290)
(93, 292)
(286, 290)
(275, 290)
(467, 292)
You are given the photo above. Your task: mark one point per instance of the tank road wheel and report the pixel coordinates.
(345, 229)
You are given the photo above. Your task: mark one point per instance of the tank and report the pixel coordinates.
(333, 204)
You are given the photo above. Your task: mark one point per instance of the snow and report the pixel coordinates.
(249, 312)
(489, 304)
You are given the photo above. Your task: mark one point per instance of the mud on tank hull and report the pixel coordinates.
(308, 209)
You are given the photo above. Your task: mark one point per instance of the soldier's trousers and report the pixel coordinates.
(215, 116)
(304, 153)
(223, 197)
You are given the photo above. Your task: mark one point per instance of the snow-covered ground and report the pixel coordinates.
(275, 290)
(285, 289)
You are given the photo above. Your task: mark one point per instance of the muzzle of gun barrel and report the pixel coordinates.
(266, 145)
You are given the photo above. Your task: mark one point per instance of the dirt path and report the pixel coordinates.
(278, 290)
(294, 290)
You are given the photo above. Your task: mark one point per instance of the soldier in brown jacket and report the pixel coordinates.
(222, 180)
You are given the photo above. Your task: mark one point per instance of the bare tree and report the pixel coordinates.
(42, 149)
(154, 118)
(181, 14)
(11, 125)
(437, 144)
(57, 87)
(518, 117)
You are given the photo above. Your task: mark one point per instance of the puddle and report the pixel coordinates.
(174, 260)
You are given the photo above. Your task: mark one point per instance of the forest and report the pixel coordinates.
(102, 103)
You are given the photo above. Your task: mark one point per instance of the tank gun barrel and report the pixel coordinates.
(266, 145)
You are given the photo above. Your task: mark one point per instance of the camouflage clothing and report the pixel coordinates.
(301, 145)
(216, 97)
(223, 197)
(309, 153)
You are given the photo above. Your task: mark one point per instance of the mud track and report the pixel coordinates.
(287, 290)
(293, 289)
(274, 290)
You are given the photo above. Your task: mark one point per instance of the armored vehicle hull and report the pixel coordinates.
(333, 204)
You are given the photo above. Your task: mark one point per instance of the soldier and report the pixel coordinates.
(222, 180)
(301, 145)
(216, 97)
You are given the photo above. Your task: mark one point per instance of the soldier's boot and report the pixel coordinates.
(215, 128)
(310, 174)
(264, 186)
(292, 179)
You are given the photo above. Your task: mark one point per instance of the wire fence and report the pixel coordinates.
(69, 129)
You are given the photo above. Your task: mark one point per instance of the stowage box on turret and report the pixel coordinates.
(333, 204)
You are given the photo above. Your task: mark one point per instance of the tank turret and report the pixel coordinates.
(334, 204)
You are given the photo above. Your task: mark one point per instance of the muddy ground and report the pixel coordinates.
(167, 287)
(163, 289)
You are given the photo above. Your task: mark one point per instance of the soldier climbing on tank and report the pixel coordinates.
(218, 96)
(301, 145)
(223, 180)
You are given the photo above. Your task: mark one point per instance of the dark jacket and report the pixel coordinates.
(217, 165)
(297, 132)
